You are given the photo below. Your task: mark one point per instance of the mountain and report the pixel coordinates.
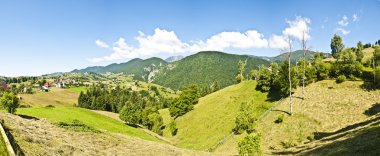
(141, 69)
(174, 58)
(296, 55)
(204, 68)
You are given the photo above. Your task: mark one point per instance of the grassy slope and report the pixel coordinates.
(213, 118)
(329, 108)
(3, 147)
(40, 137)
(77, 89)
(56, 96)
(368, 54)
(92, 119)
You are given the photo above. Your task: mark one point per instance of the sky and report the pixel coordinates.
(40, 36)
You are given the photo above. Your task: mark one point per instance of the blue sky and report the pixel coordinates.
(39, 37)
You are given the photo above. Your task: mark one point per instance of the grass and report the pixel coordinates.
(328, 107)
(213, 118)
(77, 89)
(87, 117)
(166, 118)
(56, 96)
(3, 147)
(368, 54)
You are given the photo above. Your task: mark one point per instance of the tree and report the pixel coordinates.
(250, 145)
(245, 120)
(264, 80)
(184, 103)
(155, 123)
(241, 69)
(10, 102)
(173, 128)
(255, 74)
(336, 45)
(130, 114)
(304, 64)
(359, 52)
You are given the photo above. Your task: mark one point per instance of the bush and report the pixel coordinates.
(78, 126)
(280, 118)
(173, 128)
(340, 79)
(245, 121)
(50, 106)
(250, 145)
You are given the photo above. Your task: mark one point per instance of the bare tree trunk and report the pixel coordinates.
(304, 57)
(290, 80)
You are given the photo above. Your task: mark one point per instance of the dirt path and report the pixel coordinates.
(116, 117)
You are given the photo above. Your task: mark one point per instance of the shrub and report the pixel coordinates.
(340, 79)
(50, 106)
(245, 121)
(280, 118)
(173, 128)
(250, 145)
(76, 125)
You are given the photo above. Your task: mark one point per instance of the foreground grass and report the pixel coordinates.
(213, 118)
(87, 117)
(3, 147)
(56, 96)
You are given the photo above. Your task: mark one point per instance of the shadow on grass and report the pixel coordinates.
(373, 110)
(321, 135)
(368, 85)
(364, 142)
(273, 95)
(28, 117)
(278, 110)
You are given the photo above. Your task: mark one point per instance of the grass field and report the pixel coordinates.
(77, 89)
(3, 147)
(368, 54)
(56, 96)
(213, 118)
(330, 115)
(92, 119)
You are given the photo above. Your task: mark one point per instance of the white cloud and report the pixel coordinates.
(163, 41)
(344, 21)
(343, 31)
(322, 26)
(101, 44)
(355, 18)
(297, 27)
(277, 41)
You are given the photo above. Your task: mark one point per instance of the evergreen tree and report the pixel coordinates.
(336, 45)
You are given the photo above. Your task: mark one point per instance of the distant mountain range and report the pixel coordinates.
(174, 58)
(202, 68)
(295, 56)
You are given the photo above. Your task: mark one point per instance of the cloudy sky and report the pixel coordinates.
(39, 37)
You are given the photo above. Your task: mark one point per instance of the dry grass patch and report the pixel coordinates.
(56, 97)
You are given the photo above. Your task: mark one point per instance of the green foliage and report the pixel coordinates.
(336, 45)
(245, 120)
(250, 145)
(241, 70)
(264, 80)
(376, 56)
(283, 79)
(377, 77)
(359, 52)
(340, 79)
(155, 123)
(322, 69)
(10, 102)
(173, 128)
(184, 103)
(204, 68)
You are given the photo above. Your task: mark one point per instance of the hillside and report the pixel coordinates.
(38, 136)
(213, 118)
(329, 120)
(204, 68)
(138, 67)
(296, 56)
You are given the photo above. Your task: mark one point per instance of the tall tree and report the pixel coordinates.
(241, 69)
(359, 51)
(336, 45)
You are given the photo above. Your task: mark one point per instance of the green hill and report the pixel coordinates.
(213, 118)
(138, 67)
(204, 68)
(296, 55)
(334, 119)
